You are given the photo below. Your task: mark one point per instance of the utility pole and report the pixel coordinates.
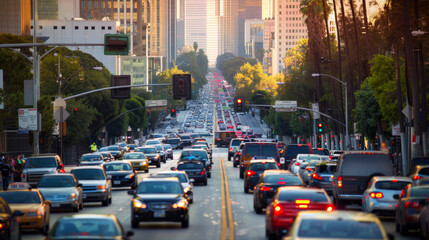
(35, 79)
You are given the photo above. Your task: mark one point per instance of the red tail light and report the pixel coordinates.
(417, 177)
(308, 169)
(278, 164)
(411, 204)
(330, 157)
(376, 195)
(203, 172)
(250, 173)
(277, 210)
(281, 183)
(265, 188)
(340, 181)
(298, 164)
(330, 209)
(316, 176)
(230, 149)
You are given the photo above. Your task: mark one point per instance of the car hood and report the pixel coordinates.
(25, 207)
(57, 190)
(92, 182)
(89, 163)
(151, 154)
(119, 173)
(159, 197)
(40, 170)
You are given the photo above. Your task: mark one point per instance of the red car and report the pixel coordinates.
(220, 121)
(286, 205)
(230, 127)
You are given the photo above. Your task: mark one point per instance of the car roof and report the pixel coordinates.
(89, 216)
(157, 179)
(262, 161)
(87, 167)
(389, 178)
(278, 171)
(172, 172)
(115, 162)
(57, 174)
(339, 215)
(300, 189)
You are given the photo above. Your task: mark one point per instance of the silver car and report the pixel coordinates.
(97, 187)
(382, 194)
(63, 190)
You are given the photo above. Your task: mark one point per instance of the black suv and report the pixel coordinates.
(290, 151)
(257, 150)
(255, 170)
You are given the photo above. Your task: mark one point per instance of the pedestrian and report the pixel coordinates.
(6, 170)
(93, 147)
(17, 169)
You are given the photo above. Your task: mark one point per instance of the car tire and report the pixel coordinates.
(110, 199)
(185, 223)
(105, 203)
(45, 229)
(76, 209)
(191, 200)
(229, 158)
(81, 205)
(340, 205)
(209, 174)
(134, 223)
(158, 165)
(205, 183)
(270, 235)
(241, 173)
(234, 164)
(147, 170)
(403, 230)
(257, 208)
(397, 227)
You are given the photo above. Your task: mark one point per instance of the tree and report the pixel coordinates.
(220, 60)
(195, 46)
(259, 53)
(232, 67)
(202, 61)
(188, 62)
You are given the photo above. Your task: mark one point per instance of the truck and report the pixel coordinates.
(223, 138)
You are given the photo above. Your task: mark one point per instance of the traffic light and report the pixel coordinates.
(120, 80)
(75, 110)
(320, 127)
(173, 113)
(182, 86)
(238, 105)
(116, 44)
(148, 113)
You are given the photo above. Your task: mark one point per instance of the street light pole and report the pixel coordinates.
(346, 111)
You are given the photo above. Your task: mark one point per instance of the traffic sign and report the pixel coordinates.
(155, 103)
(59, 102)
(63, 111)
(27, 119)
(315, 107)
(286, 106)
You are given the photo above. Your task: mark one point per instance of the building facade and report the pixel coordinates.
(253, 36)
(15, 16)
(195, 16)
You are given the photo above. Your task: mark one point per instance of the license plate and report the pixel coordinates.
(159, 214)
(116, 182)
(55, 205)
(83, 196)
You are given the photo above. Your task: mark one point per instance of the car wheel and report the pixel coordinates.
(185, 223)
(147, 170)
(76, 209)
(209, 174)
(191, 200)
(257, 208)
(339, 204)
(158, 165)
(403, 230)
(205, 183)
(45, 229)
(105, 202)
(397, 228)
(241, 173)
(110, 199)
(81, 205)
(134, 223)
(270, 235)
(229, 158)
(234, 164)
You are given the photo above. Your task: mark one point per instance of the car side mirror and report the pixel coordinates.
(18, 213)
(191, 180)
(130, 233)
(173, 169)
(46, 202)
(131, 192)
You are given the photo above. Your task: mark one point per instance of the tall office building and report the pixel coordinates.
(268, 9)
(15, 16)
(213, 33)
(253, 36)
(247, 9)
(289, 29)
(58, 9)
(195, 15)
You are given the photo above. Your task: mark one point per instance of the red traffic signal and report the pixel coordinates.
(238, 105)
(173, 113)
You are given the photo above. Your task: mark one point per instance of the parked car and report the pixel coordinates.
(97, 186)
(355, 169)
(63, 190)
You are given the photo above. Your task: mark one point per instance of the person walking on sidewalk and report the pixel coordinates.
(5, 170)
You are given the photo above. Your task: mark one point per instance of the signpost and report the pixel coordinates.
(315, 107)
(27, 118)
(286, 106)
(156, 105)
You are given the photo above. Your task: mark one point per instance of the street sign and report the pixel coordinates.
(59, 102)
(396, 130)
(286, 106)
(315, 107)
(57, 114)
(27, 119)
(155, 103)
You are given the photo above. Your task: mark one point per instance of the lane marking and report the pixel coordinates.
(227, 220)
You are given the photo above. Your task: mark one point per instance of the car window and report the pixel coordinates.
(56, 181)
(326, 168)
(147, 150)
(182, 177)
(158, 147)
(268, 150)
(159, 188)
(17, 197)
(252, 149)
(174, 141)
(167, 146)
(134, 156)
(194, 154)
(424, 171)
(344, 229)
(263, 166)
(114, 149)
(185, 137)
(186, 166)
(117, 167)
(289, 180)
(365, 165)
(41, 162)
(419, 192)
(293, 150)
(85, 227)
(90, 158)
(235, 142)
(88, 174)
(391, 185)
(292, 195)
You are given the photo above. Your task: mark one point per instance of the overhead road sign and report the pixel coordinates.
(286, 106)
(155, 103)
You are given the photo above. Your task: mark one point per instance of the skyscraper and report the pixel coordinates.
(15, 16)
(195, 15)
(268, 9)
(247, 9)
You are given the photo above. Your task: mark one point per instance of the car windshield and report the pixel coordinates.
(194, 155)
(88, 174)
(117, 167)
(114, 149)
(313, 163)
(269, 150)
(182, 177)
(134, 156)
(263, 166)
(235, 142)
(323, 168)
(419, 192)
(105, 154)
(152, 142)
(19, 197)
(158, 147)
(41, 162)
(147, 150)
(185, 137)
(161, 187)
(339, 228)
(167, 146)
(288, 180)
(87, 227)
(292, 195)
(187, 166)
(56, 181)
(173, 141)
(308, 157)
(391, 185)
(90, 158)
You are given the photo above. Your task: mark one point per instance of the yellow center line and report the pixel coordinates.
(228, 209)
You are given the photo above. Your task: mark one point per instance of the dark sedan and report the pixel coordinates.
(412, 200)
(122, 174)
(255, 170)
(194, 169)
(268, 184)
(9, 222)
(159, 200)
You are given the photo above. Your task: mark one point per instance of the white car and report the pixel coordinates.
(302, 158)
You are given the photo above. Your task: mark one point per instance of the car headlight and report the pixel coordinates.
(157, 156)
(180, 204)
(187, 189)
(138, 204)
(33, 214)
(71, 196)
(129, 176)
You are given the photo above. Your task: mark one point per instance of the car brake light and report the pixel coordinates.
(417, 177)
(329, 209)
(411, 204)
(394, 180)
(298, 164)
(340, 181)
(330, 157)
(308, 169)
(265, 188)
(230, 149)
(376, 195)
(316, 176)
(203, 171)
(250, 173)
(1, 225)
(277, 210)
(303, 206)
(281, 183)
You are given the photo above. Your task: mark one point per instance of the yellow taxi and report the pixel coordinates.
(138, 161)
(34, 207)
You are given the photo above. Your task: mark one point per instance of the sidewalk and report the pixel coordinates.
(265, 128)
